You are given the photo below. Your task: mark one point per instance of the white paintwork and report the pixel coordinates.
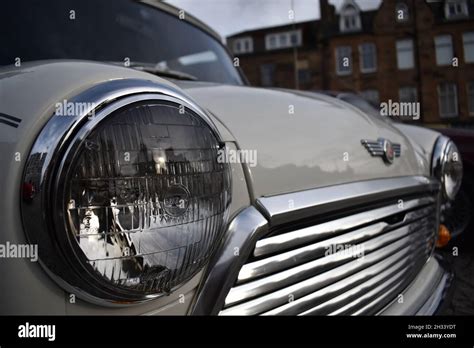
(305, 149)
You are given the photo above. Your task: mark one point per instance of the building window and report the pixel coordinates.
(470, 97)
(267, 75)
(405, 59)
(368, 57)
(448, 99)
(304, 76)
(344, 60)
(272, 42)
(283, 40)
(401, 12)
(408, 95)
(349, 19)
(468, 43)
(372, 96)
(454, 9)
(295, 38)
(243, 45)
(444, 49)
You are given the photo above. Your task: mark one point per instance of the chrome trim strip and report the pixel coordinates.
(243, 231)
(316, 202)
(406, 244)
(292, 239)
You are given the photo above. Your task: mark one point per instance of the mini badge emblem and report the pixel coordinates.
(388, 153)
(383, 148)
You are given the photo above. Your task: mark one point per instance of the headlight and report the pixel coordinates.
(135, 202)
(447, 166)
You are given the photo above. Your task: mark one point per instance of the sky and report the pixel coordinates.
(232, 16)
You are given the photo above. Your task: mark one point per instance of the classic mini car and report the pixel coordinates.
(126, 132)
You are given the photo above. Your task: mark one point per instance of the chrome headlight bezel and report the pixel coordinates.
(445, 156)
(61, 136)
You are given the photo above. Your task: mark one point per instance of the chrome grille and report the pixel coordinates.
(291, 272)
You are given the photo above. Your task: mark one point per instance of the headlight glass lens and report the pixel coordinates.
(452, 170)
(146, 199)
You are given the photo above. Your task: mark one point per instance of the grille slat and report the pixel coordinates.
(297, 256)
(303, 236)
(363, 292)
(342, 291)
(391, 285)
(292, 273)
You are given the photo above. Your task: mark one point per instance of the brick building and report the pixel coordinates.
(268, 55)
(406, 50)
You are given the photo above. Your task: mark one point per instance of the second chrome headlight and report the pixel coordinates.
(447, 166)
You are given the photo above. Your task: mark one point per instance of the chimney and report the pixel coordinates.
(328, 17)
(327, 11)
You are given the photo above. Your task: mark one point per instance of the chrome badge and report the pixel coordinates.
(384, 148)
